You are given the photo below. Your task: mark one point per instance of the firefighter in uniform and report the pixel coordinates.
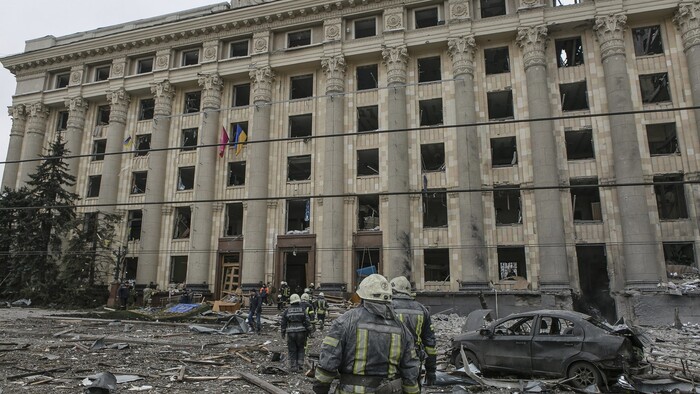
(296, 326)
(369, 348)
(308, 308)
(321, 306)
(285, 292)
(417, 318)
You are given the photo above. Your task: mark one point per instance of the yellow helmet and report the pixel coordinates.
(294, 299)
(374, 288)
(400, 284)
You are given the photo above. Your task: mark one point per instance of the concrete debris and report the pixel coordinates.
(102, 383)
(683, 288)
(21, 303)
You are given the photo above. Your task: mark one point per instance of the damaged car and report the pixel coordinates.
(552, 343)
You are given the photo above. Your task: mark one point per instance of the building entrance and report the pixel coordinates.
(230, 279)
(295, 270)
(595, 283)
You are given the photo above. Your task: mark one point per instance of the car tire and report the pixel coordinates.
(471, 357)
(584, 374)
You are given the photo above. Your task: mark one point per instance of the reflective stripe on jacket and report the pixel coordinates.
(295, 320)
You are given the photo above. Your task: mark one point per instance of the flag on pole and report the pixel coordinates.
(239, 139)
(128, 142)
(223, 142)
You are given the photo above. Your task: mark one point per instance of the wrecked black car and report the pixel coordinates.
(552, 343)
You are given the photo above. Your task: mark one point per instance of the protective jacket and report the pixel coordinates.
(417, 318)
(294, 319)
(321, 306)
(286, 291)
(309, 309)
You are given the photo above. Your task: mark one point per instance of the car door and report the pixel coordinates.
(508, 349)
(556, 340)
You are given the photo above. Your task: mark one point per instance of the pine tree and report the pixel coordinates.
(12, 214)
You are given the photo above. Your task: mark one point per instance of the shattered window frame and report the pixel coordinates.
(367, 77)
(367, 118)
(234, 219)
(368, 212)
(301, 126)
(585, 200)
(367, 162)
(99, 147)
(512, 261)
(500, 104)
(178, 269)
(655, 88)
(298, 210)
(131, 266)
(647, 41)
(662, 139)
(236, 173)
(579, 144)
(301, 87)
(574, 96)
(93, 186)
(299, 38)
(134, 224)
(185, 178)
(431, 112)
(142, 145)
(103, 112)
(182, 222)
(139, 180)
(507, 205)
(299, 168)
(569, 52)
(429, 69)
(241, 95)
(681, 255)
(189, 139)
(436, 265)
(193, 102)
(434, 206)
(504, 151)
(433, 157)
(497, 60)
(671, 201)
(147, 109)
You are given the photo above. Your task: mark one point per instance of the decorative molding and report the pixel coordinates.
(119, 102)
(212, 85)
(394, 18)
(461, 50)
(334, 67)
(166, 209)
(76, 75)
(349, 199)
(610, 34)
(118, 68)
(272, 204)
(19, 119)
(217, 206)
(77, 107)
(459, 10)
(210, 53)
(332, 28)
(261, 79)
(37, 115)
(162, 59)
(261, 42)
(687, 20)
(525, 4)
(163, 92)
(532, 40)
(395, 60)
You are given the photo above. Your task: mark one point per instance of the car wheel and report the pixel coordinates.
(471, 358)
(583, 374)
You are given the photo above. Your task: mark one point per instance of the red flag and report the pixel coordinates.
(223, 142)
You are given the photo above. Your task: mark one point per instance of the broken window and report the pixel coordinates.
(368, 118)
(579, 144)
(426, 17)
(192, 102)
(432, 157)
(367, 162)
(299, 168)
(670, 197)
(144, 65)
(365, 28)
(234, 219)
(429, 69)
(506, 202)
(189, 139)
(190, 57)
(183, 217)
(102, 73)
(647, 41)
(241, 95)
(436, 265)
(559, 3)
(62, 122)
(302, 86)
(130, 267)
(680, 259)
(500, 104)
(93, 186)
(662, 139)
(574, 96)
(511, 262)
(497, 60)
(300, 125)
(550, 325)
(238, 48)
(146, 109)
(134, 224)
(138, 182)
(178, 269)
(299, 38)
(143, 144)
(98, 149)
(62, 80)
(569, 52)
(654, 88)
(103, 115)
(185, 178)
(298, 214)
(504, 152)
(367, 77)
(236, 173)
(430, 112)
(519, 326)
(434, 208)
(585, 199)
(368, 212)
(491, 8)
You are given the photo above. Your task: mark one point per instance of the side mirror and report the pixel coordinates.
(485, 332)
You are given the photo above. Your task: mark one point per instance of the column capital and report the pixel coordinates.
(331, 29)
(461, 50)
(212, 85)
(262, 78)
(76, 104)
(77, 107)
(610, 34)
(38, 110)
(687, 20)
(17, 112)
(119, 102)
(37, 115)
(334, 67)
(395, 60)
(163, 92)
(532, 41)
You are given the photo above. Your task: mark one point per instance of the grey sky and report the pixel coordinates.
(29, 19)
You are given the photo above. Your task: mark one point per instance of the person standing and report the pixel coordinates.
(123, 295)
(368, 347)
(285, 293)
(308, 307)
(263, 294)
(417, 318)
(254, 311)
(321, 306)
(295, 326)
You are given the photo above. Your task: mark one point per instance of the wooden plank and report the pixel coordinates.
(270, 388)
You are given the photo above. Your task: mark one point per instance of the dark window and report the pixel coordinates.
(654, 88)
(579, 144)
(559, 3)
(500, 104)
(62, 80)
(299, 168)
(574, 96)
(569, 52)
(143, 144)
(647, 41)
(429, 69)
(504, 152)
(185, 178)
(103, 115)
(192, 102)
(434, 208)
(131, 265)
(62, 122)
(366, 28)
(680, 260)
(236, 173)
(426, 17)
(662, 139)
(234, 219)
(239, 49)
(298, 38)
(178, 269)
(497, 60)
(138, 182)
(511, 262)
(146, 108)
(585, 200)
(98, 149)
(367, 162)
(670, 197)
(432, 157)
(183, 217)
(134, 224)
(491, 8)
(190, 57)
(144, 65)
(241, 95)
(300, 125)
(102, 73)
(368, 212)
(367, 118)
(436, 265)
(302, 87)
(189, 139)
(298, 214)
(93, 186)
(506, 202)
(430, 112)
(367, 77)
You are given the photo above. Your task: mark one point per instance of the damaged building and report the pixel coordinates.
(472, 145)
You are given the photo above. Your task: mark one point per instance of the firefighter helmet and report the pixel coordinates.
(374, 288)
(294, 299)
(400, 284)
(305, 297)
(321, 294)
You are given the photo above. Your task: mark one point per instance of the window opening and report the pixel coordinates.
(234, 129)
(143, 144)
(365, 28)
(368, 212)
(134, 223)
(500, 104)
(241, 95)
(98, 149)
(670, 197)
(654, 88)
(367, 77)
(144, 65)
(178, 269)
(103, 112)
(62, 80)
(569, 52)
(497, 60)
(585, 199)
(507, 203)
(138, 182)
(367, 162)
(298, 215)
(680, 260)
(62, 122)
(182, 223)
(430, 112)
(491, 8)
(647, 41)
(511, 262)
(146, 109)
(434, 208)
(192, 102)
(436, 265)
(190, 57)
(189, 139)
(300, 125)
(93, 186)
(429, 69)
(662, 139)
(234, 219)
(559, 3)
(574, 96)
(238, 49)
(299, 168)
(302, 87)
(432, 157)
(519, 326)
(102, 73)
(579, 144)
(131, 265)
(368, 118)
(504, 152)
(236, 173)
(298, 38)
(185, 178)
(426, 17)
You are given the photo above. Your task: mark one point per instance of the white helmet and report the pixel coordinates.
(321, 294)
(400, 284)
(312, 284)
(307, 290)
(374, 288)
(294, 299)
(283, 283)
(304, 297)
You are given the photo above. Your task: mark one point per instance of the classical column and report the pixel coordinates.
(471, 210)
(33, 140)
(149, 253)
(77, 107)
(554, 267)
(687, 20)
(332, 234)
(642, 270)
(109, 187)
(257, 174)
(14, 150)
(398, 256)
(201, 245)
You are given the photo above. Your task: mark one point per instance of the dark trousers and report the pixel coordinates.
(295, 347)
(321, 320)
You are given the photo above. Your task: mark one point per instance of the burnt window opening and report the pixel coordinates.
(178, 269)
(189, 139)
(144, 65)
(579, 144)
(299, 168)
(426, 17)
(62, 121)
(367, 77)
(430, 112)
(368, 118)
(670, 197)
(138, 182)
(647, 41)
(102, 73)
(241, 95)
(434, 208)
(134, 224)
(302, 86)
(491, 8)
(585, 199)
(365, 28)
(507, 203)
(680, 259)
(654, 88)
(143, 144)
(569, 52)
(238, 49)
(62, 80)
(299, 38)
(183, 217)
(193, 102)
(234, 219)
(300, 126)
(511, 262)
(367, 162)
(236, 173)
(185, 178)
(146, 109)
(497, 60)
(103, 112)
(429, 69)
(662, 139)
(436, 265)
(368, 212)
(298, 215)
(504, 152)
(432, 157)
(574, 96)
(190, 57)
(93, 186)
(131, 265)
(99, 147)
(500, 104)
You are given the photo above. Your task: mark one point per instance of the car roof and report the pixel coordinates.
(552, 312)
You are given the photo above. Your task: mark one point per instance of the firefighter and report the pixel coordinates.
(285, 292)
(321, 306)
(308, 307)
(368, 347)
(417, 318)
(295, 326)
